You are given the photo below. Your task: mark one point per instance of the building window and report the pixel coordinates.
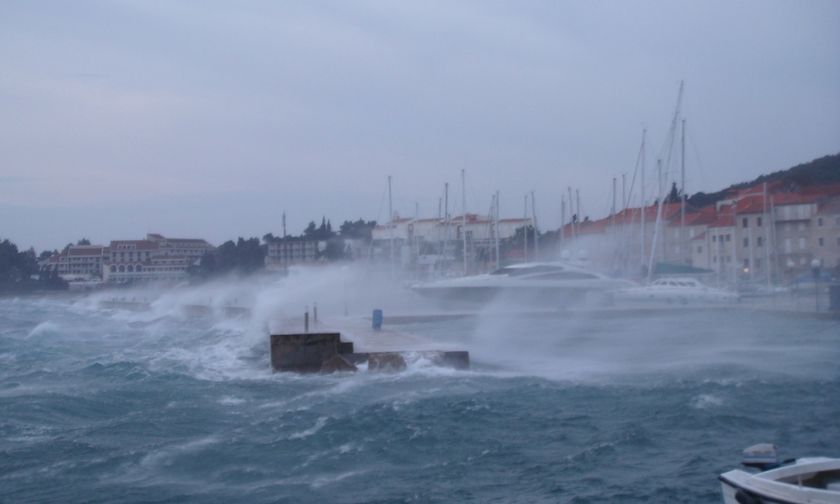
(746, 263)
(821, 242)
(714, 238)
(139, 268)
(744, 222)
(819, 221)
(758, 221)
(114, 268)
(760, 241)
(122, 269)
(131, 268)
(746, 242)
(728, 237)
(714, 259)
(801, 243)
(700, 249)
(758, 263)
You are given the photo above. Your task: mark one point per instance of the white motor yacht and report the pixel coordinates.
(544, 282)
(682, 290)
(813, 480)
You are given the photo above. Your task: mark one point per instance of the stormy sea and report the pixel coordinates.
(108, 405)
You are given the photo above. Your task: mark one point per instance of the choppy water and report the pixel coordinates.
(104, 406)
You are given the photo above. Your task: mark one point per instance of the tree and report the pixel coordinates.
(674, 195)
(357, 229)
(310, 231)
(19, 270)
(83, 241)
(243, 256)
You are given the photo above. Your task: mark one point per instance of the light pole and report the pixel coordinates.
(815, 270)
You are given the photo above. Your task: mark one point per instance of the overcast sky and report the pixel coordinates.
(209, 119)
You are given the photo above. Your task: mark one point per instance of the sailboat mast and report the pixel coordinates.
(623, 191)
(496, 227)
(391, 223)
(571, 213)
(658, 222)
(682, 190)
(562, 218)
(464, 215)
(446, 216)
(536, 232)
(642, 203)
(525, 231)
(767, 242)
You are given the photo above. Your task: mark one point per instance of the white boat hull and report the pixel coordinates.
(808, 481)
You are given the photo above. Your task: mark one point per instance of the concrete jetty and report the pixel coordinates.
(325, 352)
(358, 344)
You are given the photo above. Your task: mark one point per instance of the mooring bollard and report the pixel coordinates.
(377, 319)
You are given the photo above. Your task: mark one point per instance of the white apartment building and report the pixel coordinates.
(289, 252)
(825, 234)
(78, 261)
(155, 258)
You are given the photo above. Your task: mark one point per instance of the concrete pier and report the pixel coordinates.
(304, 352)
(324, 352)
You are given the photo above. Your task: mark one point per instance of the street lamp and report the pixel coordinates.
(815, 270)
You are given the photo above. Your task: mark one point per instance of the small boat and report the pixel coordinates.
(814, 480)
(552, 283)
(682, 290)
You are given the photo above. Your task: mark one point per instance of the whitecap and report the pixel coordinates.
(321, 481)
(231, 401)
(44, 328)
(167, 455)
(705, 401)
(319, 424)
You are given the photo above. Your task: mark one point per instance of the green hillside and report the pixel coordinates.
(824, 170)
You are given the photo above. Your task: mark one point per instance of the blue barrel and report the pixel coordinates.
(377, 319)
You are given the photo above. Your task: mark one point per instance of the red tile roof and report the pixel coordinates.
(85, 250)
(138, 244)
(185, 240)
(790, 198)
(704, 216)
(724, 220)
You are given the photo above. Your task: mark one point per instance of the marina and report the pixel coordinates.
(545, 252)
